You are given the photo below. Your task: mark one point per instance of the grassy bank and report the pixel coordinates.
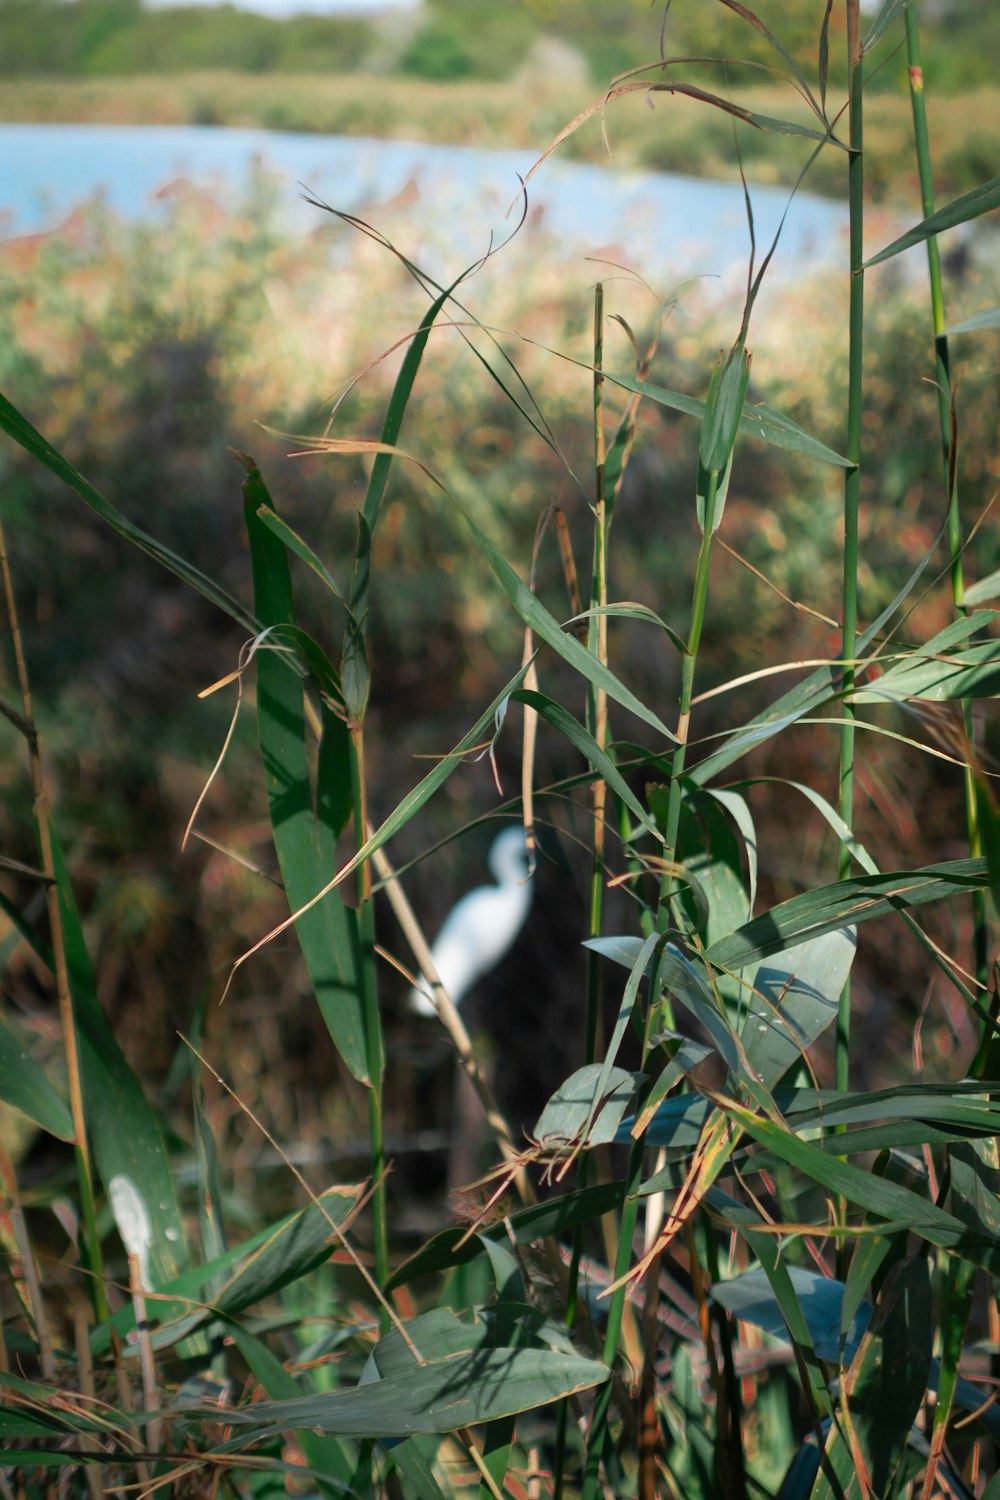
(678, 135)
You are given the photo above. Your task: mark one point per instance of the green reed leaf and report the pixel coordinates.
(980, 200)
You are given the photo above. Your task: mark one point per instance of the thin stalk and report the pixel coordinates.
(32, 1287)
(942, 377)
(599, 1420)
(375, 1055)
(689, 663)
(699, 604)
(852, 487)
(66, 1017)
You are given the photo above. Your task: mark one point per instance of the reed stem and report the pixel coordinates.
(852, 488)
(942, 380)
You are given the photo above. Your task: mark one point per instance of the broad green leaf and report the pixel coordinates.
(327, 931)
(683, 980)
(844, 904)
(758, 421)
(988, 318)
(548, 629)
(291, 1250)
(943, 668)
(794, 999)
(440, 1396)
(576, 1102)
(127, 1143)
(980, 200)
(21, 430)
(712, 855)
(883, 1388)
(678, 1122)
(25, 1086)
(888, 12)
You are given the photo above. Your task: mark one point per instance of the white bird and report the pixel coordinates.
(481, 927)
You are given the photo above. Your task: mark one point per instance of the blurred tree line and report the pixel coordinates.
(455, 39)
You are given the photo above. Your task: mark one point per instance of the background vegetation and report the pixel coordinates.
(512, 74)
(147, 355)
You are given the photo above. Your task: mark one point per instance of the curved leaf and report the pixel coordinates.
(25, 1086)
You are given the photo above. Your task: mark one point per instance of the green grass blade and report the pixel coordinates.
(897, 1206)
(988, 318)
(758, 421)
(883, 1388)
(24, 1085)
(124, 1131)
(327, 931)
(548, 629)
(454, 1247)
(843, 904)
(21, 430)
(324, 1455)
(888, 11)
(588, 747)
(981, 200)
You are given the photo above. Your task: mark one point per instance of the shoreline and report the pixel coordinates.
(677, 136)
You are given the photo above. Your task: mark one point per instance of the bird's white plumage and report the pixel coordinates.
(481, 927)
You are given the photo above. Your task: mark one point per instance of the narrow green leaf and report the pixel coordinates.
(629, 610)
(127, 1143)
(324, 1455)
(453, 1247)
(888, 12)
(21, 430)
(844, 904)
(758, 421)
(898, 1206)
(599, 758)
(806, 696)
(548, 629)
(25, 1086)
(327, 931)
(980, 200)
(190, 1294)
(723, 410)
(989, 317)
(987, 588)
(440, 1396)
(883, 1388)
(294, 543)
(971, 673)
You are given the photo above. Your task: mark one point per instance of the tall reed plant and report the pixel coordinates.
(731, 1258)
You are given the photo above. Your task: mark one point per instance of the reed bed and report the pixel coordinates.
(701, 594)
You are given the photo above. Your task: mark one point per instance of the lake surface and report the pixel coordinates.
(663, 225)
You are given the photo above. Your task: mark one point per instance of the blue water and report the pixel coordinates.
(661, 224)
